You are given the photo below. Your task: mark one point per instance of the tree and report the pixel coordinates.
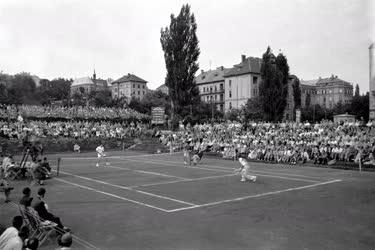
(273, 89)
(137, 105)
(155, 99)
(22, 88)
(252, 110)
(308, 100)
(181, 51)
(297, 93)
(360, 106)
(101, 98)
(356, 93)
(233, 115)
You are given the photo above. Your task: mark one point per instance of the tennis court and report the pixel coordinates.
(144, 201)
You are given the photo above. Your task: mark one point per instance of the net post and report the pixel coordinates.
(58, 166)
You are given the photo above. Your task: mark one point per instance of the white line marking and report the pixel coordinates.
(254, 196)
(147, 172)
(127, 188)
(112, 195)
(116, 156)
(253, 170)
(177, 181)
(222, 169)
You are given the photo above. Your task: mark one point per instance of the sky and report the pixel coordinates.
(71, 38)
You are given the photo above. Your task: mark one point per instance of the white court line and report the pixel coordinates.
(252, 170)
(112, 195)
(117, 156)
(221, 169)
(147, 172)
(127, 188)
(254, 196)
(188, 180)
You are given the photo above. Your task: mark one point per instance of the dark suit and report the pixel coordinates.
(40, 207)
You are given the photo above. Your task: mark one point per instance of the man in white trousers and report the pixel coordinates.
(101, 154)
(244, 170)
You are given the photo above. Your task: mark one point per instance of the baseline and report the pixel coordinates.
(127, 188)
(254, 196)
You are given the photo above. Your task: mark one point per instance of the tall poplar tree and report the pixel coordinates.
(273, 89)
(181, 51)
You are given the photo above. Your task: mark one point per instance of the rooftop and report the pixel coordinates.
(247, 65)
(215, 75)
(129, 78)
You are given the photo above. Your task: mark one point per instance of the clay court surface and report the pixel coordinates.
(144, 201)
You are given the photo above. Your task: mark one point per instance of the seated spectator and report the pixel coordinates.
(65, 241)
(42, 209)
(46, 167)
(32, 244)
(40, 173)
(10, 239)
(77, 148)
(26, 195)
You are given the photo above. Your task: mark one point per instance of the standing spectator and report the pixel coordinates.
(32, 244)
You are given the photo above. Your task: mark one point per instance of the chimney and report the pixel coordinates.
(222, 68)
(202, 71)
(243, 58)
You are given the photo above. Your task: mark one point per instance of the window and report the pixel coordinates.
(133, 86)
(255, 80)
(204, 89)
(215, 97)
(133, 92)
(139, 92)
(230, 105)
(143, 92)
(230, 94)
(143, 86)
(221, 86)
(221, 97)
(208, 98)
(139, 86)
(210, 89)
(230, 83)
(215, 89)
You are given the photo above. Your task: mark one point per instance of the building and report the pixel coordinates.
(129, 86)
(163, 88)
(344, 118)
(326, 92)
(85, 85)
(308, 92)
(211, 87)
(242, 82)
(372, 81)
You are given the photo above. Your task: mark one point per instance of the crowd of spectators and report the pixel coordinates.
(34, 224)
(71, 129)
(69, 113)
(320, 143)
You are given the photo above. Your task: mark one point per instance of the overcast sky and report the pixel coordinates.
(69, 38)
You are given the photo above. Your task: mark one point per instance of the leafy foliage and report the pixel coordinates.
(181, 51)
(273, 89)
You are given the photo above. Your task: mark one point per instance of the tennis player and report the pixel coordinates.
(101, 154)
(244, 170)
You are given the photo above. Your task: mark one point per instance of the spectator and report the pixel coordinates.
(10, 239)
(42, 209)
(32, 244)
(65, 241)
(26, 195)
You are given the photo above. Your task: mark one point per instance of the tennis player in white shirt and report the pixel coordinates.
(101, 154)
